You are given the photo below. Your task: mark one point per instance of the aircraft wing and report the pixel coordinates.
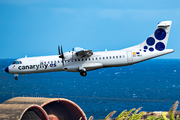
(84, 53)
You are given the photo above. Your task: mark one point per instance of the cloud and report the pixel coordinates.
(111, 13)
(63, 10)
(21, 2)
(118, 14)
(137, 14)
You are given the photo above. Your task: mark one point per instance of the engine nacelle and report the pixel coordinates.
(77, 53)
(71, 55)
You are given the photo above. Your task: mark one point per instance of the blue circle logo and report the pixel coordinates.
(150, 41)
(151, 49)
(160, 34)
(160, 46)
(145, 47)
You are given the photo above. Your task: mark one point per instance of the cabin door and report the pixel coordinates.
(129, 57)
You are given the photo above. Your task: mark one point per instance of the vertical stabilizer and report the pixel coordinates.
(154, 46)
(158, 40)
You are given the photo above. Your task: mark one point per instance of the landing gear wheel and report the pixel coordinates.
(16, 78)
(83, 73)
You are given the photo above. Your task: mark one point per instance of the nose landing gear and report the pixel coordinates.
(83, 73)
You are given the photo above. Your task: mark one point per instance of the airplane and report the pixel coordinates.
(81, 60)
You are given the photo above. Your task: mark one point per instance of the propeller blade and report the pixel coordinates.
(62, 52)
(62, 55)
(63, 62)
(59, 49)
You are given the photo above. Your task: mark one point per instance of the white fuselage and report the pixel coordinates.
(54, 63)
(97, 60)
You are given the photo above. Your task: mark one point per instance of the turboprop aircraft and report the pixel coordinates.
(81, 60)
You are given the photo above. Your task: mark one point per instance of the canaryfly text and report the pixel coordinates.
(36, 67)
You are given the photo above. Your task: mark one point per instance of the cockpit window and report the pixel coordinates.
(17, 62)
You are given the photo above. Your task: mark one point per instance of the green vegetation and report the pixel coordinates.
(130, 115)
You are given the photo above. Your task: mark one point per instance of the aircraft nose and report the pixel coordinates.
(7, 70)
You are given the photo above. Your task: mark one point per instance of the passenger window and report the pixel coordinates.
(119, 56)
(17, 62)
(110, 57)
(103, 57)
(123, 56)
(116, 56)
(54, 61)
(82, 59)
(75, 60)
(99, 58)
(86, 59)
(106, 57)
(20, 62)
(92, 58)
(96, 58)
(44, 62)
(89, 58)
(113, 57)
(58, 61)
(78, 59)
(51, 61)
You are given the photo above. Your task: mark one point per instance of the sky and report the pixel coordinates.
(37, 27)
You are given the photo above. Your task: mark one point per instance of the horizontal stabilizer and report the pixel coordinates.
(164, 24)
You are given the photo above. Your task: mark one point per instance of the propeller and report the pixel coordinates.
(59, 49)
(61, 55)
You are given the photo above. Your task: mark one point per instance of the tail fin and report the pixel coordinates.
(157, 41)
(154, 46)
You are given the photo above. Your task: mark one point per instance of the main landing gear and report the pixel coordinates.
(83, 73)
(16, 78)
